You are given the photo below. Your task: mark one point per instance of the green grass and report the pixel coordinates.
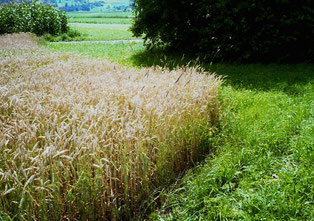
(99, 32)
(118, 52)
(262, 166)
(99, 14)
(97, 26)
(101, 20)
(100, 17)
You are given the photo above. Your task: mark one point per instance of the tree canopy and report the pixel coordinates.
(245, 30)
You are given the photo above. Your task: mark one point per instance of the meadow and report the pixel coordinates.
(102, 32)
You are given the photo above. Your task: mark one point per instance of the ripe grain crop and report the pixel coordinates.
(86, 139)
(18, 41)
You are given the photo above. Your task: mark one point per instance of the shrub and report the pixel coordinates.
(32, 17)
(280, 30)
(71, 35)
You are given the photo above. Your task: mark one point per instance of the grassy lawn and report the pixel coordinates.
(100, 17)
(262, 166)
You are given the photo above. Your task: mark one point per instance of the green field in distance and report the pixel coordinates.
(100, 17)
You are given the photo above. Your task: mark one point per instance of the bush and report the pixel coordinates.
(280, 30)
(70, 35)
(32, 17)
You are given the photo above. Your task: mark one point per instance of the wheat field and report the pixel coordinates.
(85, 139)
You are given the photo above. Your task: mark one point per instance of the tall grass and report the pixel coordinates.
(263, 166)
(86, 139)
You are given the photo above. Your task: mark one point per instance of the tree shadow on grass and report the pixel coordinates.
(288, 78)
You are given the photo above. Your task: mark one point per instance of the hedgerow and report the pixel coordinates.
(32, 17)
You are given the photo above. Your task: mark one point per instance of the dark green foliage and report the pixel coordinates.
(246, 30)
(71, 35)
(32, 17)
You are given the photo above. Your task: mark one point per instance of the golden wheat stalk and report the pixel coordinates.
(84, 136)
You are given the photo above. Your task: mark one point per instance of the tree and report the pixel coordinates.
(244, 30)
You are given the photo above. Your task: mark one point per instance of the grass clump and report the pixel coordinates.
(86, 139)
